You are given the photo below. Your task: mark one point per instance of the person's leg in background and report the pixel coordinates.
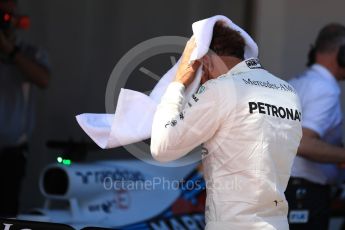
(308, 198)
(12, 171)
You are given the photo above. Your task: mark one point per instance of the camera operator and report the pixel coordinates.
(22, 67)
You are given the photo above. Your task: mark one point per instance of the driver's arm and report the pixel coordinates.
(176, 131)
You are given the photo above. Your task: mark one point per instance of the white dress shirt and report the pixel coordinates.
(319, 93)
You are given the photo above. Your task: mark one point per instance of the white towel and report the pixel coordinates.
(134, 113)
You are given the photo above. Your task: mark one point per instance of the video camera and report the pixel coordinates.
(7, 20)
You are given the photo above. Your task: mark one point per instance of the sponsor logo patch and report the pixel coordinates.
(298, 216)
(253, 64)
(275, 111)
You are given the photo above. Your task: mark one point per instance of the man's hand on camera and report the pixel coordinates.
(6, 46)
(186, 71)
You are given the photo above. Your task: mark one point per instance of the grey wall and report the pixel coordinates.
(285, 30)
(85, 39)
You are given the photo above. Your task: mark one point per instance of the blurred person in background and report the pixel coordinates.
(315, 167)
(22, 68)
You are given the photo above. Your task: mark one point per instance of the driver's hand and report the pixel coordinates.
(186, 71)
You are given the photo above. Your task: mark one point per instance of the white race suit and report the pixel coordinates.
(249, 123)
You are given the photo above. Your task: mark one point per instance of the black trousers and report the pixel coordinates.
(12, 171)
(315, 198)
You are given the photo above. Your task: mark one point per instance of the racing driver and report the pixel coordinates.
(249, 123)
